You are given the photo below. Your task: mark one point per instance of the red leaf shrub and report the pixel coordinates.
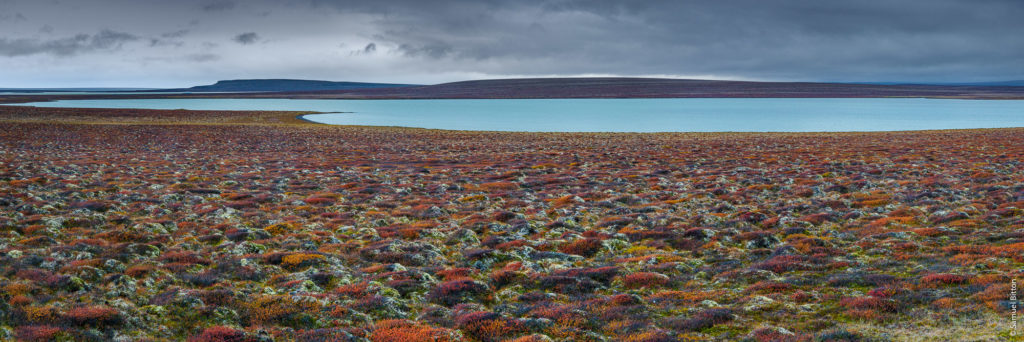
(943, 279)
(644, 279)
(458, 291)
(36, 332)
(583, 247)
(222, 334)
(406, 331)
(93, 315)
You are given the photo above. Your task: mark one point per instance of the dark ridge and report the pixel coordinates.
(551, 88)
(614, 87)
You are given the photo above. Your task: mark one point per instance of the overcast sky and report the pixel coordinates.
(158, 43)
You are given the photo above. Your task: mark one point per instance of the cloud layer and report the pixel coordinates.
(80, 43)
(192, 41)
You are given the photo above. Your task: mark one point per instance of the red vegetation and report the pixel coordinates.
(210, 230)
(222, 334)
(37, 333)
(583, 247)
(458, 291)
(406, 331)
(644, 279)
(943, 279)
(94, 315)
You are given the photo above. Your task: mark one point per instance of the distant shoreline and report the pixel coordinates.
(573, 88)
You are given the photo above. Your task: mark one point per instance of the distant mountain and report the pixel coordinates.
(624, 87)
(581, 87)
(285, 85)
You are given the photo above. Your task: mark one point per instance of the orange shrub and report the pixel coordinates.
(406, 331)
(281, 228)
(499, 186)
(19, 300)
(275, 309)
(563, 201)
(870, 203)
(584, 247)
(946, 303)
(17, 288)
(993, 292)
(493, 329)
(293, 261)
(988, 279)
(41, 314)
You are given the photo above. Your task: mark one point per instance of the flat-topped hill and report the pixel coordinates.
(284, 85)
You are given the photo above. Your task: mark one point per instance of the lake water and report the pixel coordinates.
(623, 115)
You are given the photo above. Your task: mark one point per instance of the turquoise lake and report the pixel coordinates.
(623, 115)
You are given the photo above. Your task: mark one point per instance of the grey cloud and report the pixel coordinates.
(786, 39)
(432, 50)
(111, 39)
(217, 6)
(174, 34)
(370, 48)
(246, 38)
(169, 39)
(64, 47)
(864, 40)
(13, 17)
(164, 42)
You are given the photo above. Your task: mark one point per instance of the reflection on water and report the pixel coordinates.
(624, 115)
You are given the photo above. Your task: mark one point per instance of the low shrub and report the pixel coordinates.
(222, 334)
(458, 291)
(644, 279)
(407, 331)
(702, 320)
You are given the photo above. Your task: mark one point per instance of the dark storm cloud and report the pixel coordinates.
(765, 39)
(64, 47)
(246, 38)
(864, 40)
